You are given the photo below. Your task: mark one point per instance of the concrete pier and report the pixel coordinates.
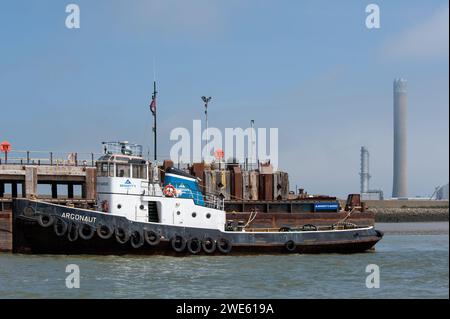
(30, 176)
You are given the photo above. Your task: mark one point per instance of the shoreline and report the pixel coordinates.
(407, 215)
(414, 228)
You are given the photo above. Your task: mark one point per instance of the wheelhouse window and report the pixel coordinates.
(102, 169)
(122, 170)
(111, 169)
(139, 171)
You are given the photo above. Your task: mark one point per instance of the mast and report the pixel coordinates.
(153, 109)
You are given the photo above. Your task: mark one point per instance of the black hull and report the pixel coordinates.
(31, 237)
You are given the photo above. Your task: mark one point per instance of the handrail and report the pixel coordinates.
(209, 200)
(19, 157)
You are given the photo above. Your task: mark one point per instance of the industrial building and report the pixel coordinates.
(366, 192)
(442, 193)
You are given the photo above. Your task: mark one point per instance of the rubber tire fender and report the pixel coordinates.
(59, 222)
(224, 245)
(136, 234)
(101, 228)
(45, 220)
(72, 232)
(212, 248)
(290, 246)
(122, 236)
(178, 239)
(151, 237)
(196, 248)
(82, 233)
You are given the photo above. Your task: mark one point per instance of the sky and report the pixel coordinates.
(312, 69)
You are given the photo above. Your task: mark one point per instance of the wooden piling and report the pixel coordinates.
(5, 231)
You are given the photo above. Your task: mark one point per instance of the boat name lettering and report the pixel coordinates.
(73, 216)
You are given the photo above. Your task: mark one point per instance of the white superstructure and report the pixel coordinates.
(127, 185)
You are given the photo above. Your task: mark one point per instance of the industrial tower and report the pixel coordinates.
(400, 185)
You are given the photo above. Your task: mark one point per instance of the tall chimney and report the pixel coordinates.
(400, 187)
(365, 176)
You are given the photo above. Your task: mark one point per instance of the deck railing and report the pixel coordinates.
(209, 200)
(49, 158)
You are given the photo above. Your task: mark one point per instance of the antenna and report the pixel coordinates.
(154, 70)
(206, 101)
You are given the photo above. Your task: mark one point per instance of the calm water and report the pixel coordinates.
(413, 260)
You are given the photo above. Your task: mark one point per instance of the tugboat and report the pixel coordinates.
(137, 214)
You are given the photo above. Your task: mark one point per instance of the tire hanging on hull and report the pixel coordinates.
(209, 245)
(86, 231)
(105, 231)
(224, 245)
(178, 243)
(72, 233)
(290, 246)
(137, 239)
(60, 227)
(45, 220)
(194, 245)
(122, 236)
(151, 237)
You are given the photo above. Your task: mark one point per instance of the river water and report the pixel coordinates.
(413, 261)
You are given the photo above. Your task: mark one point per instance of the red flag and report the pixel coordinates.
(153, 105)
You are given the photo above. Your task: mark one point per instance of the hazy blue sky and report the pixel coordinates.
(310, 68)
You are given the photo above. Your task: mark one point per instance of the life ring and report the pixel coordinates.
(45, 220)
(178, 243)
(86, 231)
(104, 231)
(60, 227)
(105, 206)
(209, 245)
(290, 246)
(224, 245)
(28, 211)
(72, 233)
(122, 236)
(151, 237)
(194, 245)
(137, 239)
(169, 190)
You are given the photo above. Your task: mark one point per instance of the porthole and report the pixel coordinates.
(194, 214)
(119, 206)
(208, 215)
(178, 212)
(141, 207)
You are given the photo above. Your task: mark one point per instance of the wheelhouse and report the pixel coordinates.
(122, 160)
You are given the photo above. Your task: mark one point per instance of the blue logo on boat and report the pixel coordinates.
(127, 184)
(326, 207)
